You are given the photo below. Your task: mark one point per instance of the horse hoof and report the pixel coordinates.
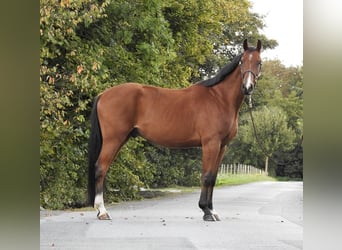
(209, 217)
(104, 216)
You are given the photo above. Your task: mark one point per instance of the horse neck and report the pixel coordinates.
(229, 90)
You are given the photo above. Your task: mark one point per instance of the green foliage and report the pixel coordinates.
(272, 130)
(273, 136)
(70, 68)
(90, 45)
(175, 166)
(278, 114)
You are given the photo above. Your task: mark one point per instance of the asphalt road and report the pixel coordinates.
(264, 215)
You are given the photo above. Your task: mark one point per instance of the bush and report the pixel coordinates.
(88, 46)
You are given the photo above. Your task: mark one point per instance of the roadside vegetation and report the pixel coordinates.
(227, 179)
(87, 46)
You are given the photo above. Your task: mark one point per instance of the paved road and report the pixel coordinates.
(264, 215)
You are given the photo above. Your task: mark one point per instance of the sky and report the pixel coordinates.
(284, 23)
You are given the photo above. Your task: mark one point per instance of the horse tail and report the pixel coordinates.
(94, 149)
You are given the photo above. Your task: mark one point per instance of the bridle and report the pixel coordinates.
(249, 84)
(256, 76)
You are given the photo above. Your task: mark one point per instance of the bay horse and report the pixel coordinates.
(203, 115)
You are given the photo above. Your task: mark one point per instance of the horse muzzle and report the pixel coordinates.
(247, 88)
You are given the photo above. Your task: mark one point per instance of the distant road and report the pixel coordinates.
(263, 215)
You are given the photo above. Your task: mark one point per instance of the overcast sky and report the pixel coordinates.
(284, 23)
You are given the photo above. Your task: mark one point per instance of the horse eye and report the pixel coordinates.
(240, 63)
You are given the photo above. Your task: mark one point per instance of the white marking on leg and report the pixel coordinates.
(215, 215)
(99, 204)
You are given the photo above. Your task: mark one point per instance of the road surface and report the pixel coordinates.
(262, 215)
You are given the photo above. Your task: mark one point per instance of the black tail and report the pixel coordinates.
(94, 148)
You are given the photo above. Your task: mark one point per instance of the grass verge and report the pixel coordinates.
(237, 179)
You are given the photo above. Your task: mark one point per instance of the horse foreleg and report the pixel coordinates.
(204, 202)
(212, 154)
(213, 213)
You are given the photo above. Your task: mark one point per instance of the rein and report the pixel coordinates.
(250, 106)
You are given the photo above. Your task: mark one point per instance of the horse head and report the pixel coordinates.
(250, 65)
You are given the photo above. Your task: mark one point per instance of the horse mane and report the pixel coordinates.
(226, 70)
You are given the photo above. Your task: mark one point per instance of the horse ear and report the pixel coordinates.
(259, 45)
(245, 45)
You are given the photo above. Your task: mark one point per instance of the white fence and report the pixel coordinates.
(239, 169)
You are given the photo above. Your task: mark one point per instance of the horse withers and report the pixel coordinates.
(203, 115)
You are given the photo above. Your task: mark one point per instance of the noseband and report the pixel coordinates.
(256, 77)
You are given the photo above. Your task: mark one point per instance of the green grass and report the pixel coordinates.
(241, 179)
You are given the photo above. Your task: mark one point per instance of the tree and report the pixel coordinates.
(209, 33)
(280, 87)
(90, 45)
(273, 135)
(70, 69)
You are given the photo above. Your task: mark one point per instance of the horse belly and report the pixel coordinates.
(168, 135)
(169, 129)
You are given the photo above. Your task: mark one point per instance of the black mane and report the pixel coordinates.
(226, 70)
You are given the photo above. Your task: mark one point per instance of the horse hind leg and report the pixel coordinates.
(108, 153)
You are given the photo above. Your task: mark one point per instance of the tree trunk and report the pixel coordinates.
(266, 165)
